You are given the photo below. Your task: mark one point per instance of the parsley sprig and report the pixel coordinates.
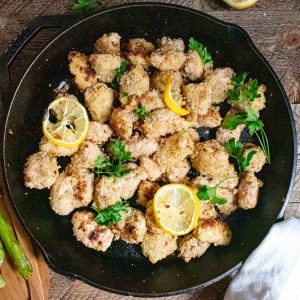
(111, 214)
(86, 4)
(201, 50)
(243, 91)
(210, 193)
(141, 112)
(255, 126)
(236, 150)
(119, 72)
(114, 166)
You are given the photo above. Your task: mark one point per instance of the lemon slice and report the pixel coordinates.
(170, 102)
(240, 4)
(176, 208)
(66, 122)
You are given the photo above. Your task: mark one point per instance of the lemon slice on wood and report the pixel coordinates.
(240, 4)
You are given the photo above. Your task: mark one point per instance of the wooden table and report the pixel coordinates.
(275, 29)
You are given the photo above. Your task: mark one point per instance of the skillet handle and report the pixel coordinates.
(59, 21)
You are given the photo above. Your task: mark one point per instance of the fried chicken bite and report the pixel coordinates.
(151, 168)
(178, 172)
(152, 100)
(146, 191)
(158, 246)
(158, 81)
(40, 171)
(85, 76)
(86, 156)
(109, 190)
(152, 225)
(139, 51)
(224, 135)
(132, 227)
(49, 147)
(230, 195)
(72, 189)
(87, 231)
(134, 82)
(219, 82)
(248, 191)
(198, 97)
(211, 119)
(140, 146)
(99, 101)
(258, 159)
(168, 44)
(167, 60)
(98, 133)
(161, 122)
(105, 66)
(108, 43)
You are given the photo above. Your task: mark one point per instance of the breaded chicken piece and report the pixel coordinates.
(220, 82)
(231, 196)
(198, 97)
(178, 172)
(151, 168)
(87, 231)
(41, 170)
(207, 211)
(256, 105)
(248, 191)
(212, 161)
(190, 247)
(109, 43)
(201, 180)
(224, 135)
(146, 191)
(152, 100)
(47, 146)
(161, 122)
(98, 133)
(123, 119)
(211, 119)
(166, 43)
(109, 190)
(72, 189)
(86, 156)
(132, 227)
(165, 60)
(158, 246)
(193, 67)
(139, 51)
(79, 66)
(213, 231)
(174, 151)
(105, 66)
(99, 101)
(258, 159)
(194, 135)
(140, 146)
(134, 82)
(152, 225)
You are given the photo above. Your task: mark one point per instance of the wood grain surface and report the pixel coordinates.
(274, 27)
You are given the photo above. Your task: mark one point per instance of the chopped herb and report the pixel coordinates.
(255, 126)
(86, 4)
(125, 94)
(119, 72)
(111, 214)
(114, 166)
(141, 112)
(201, 50)
(236, 150)
(243, 91)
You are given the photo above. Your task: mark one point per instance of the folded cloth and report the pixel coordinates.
(272, 271)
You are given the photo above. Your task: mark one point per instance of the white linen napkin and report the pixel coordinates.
(272, 271)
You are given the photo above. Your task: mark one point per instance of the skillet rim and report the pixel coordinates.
(210, 18)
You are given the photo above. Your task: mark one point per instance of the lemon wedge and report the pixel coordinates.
(176, 209)
(170, 102)
(240, 4)
(66, 122)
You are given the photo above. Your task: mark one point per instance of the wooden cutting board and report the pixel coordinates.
(37, 287)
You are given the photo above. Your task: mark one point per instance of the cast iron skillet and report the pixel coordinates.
(123, 269)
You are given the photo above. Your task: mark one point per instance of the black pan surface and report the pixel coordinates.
(123, 269)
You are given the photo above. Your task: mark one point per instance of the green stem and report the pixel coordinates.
(2, 282)
(13, 248)
(226, 179)
(267, 145)
(1, 253)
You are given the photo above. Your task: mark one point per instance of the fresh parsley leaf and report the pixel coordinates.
(201, 50)
(86, 4)
(125, 94)
(141, 112)
(111, 214)
(236, 150)
(218, 201)
(233, 122)
(243, 91)
(210, 193)
(114, 166)
(119, 72)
